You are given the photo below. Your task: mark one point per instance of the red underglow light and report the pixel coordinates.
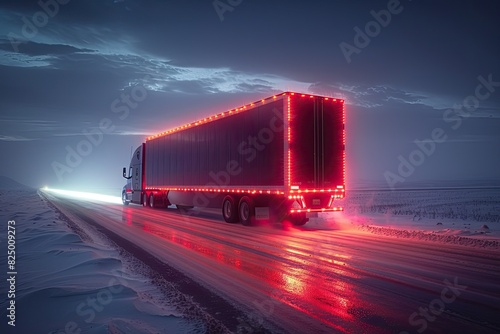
(229, 190)
(317, 210)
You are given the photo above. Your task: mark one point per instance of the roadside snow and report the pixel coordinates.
(64, 284)
(459, 216)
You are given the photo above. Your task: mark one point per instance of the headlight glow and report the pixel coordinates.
(84, 195)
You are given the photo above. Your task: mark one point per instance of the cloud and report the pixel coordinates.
(104, 49)
(376, 96)
(40, 49)
(17, 128)
(462, 138)
(119, 131)
(14, 138)
(29, 124)
(22, 60)
(481, 113)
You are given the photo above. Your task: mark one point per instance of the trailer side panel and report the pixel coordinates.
(244, 149)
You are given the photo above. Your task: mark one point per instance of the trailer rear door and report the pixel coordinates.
(316, 142)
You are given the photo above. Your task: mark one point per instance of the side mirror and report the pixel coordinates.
(125, 172)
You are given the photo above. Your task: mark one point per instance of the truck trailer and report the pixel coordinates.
(281, 158)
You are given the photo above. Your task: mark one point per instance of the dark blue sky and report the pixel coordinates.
(139, 67)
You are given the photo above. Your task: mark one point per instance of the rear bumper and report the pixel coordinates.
(306, 210)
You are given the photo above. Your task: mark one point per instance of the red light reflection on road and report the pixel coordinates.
(316, 283)
(127, 216)
(321, 283)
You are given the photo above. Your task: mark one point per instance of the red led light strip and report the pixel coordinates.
(317, 210)
(229, 113)
(218, 190)
(316, 191)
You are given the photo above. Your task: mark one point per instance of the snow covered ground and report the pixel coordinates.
(460, 216)
(69, 280)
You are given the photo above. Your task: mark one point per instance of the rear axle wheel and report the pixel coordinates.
(152, 201)
(246, 211)
(230, 209)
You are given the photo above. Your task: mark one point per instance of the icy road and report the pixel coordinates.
(306, 280)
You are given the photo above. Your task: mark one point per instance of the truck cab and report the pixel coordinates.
(132, 191)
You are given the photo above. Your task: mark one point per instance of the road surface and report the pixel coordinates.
(272, 278)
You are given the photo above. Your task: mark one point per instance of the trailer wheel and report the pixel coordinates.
(246, 211)
(151, 201)
(145, 199)
(298, 219)
(124, 199)
(229, 209)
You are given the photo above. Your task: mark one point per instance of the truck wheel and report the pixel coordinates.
(151, 201)
(298, 219)
(229, 209)
(145, 199)
(246, 211)
(124, 199)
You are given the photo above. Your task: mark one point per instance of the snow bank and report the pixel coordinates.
(459, 216)
(64, 284)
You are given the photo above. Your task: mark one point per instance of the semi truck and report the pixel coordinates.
(281, 158)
